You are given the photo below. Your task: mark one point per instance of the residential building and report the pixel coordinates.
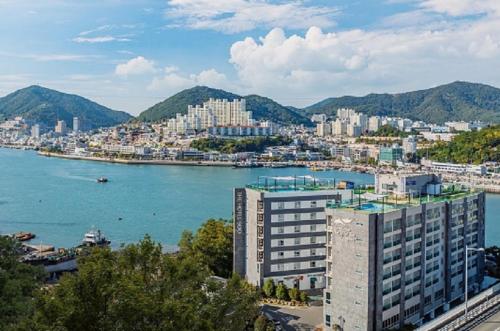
(35, 131)
(76, 124)
(323, 129)
(279, 230)
(374, 123)
(61, 127)
(410, 145)
(391, 155)
(318, 118)
(393, 261)
(455, 167)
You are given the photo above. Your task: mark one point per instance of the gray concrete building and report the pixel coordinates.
(393, 261)
(280, 230)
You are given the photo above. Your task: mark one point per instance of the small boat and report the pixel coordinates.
(24, 236)
(94, 238)
(102, 180)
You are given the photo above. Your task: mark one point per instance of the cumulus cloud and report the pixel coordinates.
(136, 66)
(320, 64)
(173, 80)
(232, 16)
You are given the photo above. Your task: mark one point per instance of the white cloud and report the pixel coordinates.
(232, 16)
(51, 57)
(173, 80)
(320, 64)
(136, 66)
(462, 7)
(98, 39)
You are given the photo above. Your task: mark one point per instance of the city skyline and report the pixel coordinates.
(129, 55)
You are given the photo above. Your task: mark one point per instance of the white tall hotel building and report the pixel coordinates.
(280, 230)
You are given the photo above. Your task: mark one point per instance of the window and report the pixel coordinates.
(281, 205)
(296, 253)
(328, 320)
(312, 216)
(297, 217)
(313, 240)
(327, 299)
(313, 204)
(313, 227)
(281, 229)
(313, 264)
(281, 217)
(296, 228)
(296, 266)
(297, 204)
(281, 243)
(313, 252)
(280, 267)
(281, 254)
(297, 241)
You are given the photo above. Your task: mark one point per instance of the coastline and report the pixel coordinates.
(139, 162)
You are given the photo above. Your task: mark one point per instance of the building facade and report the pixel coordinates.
(280, 230)
(392, 264)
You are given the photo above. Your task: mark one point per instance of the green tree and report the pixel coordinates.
(17, 283)
(213, 243)
(303, 297)
(281, 292)
(140, 288)
(269, 288)
(294, 294)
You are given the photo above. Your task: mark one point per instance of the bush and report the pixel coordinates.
(281, 292)
(294, 294)
(269, 288)
(260, 323)
(303, 297)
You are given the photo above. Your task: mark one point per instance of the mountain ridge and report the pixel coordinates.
(263, 108)
(46, 106)
(455, 101)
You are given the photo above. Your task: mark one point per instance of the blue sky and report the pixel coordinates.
(129, 54)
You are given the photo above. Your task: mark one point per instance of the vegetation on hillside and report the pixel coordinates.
(137, 287)
(467, 147)
(451, 102)
(17, 283)
(257, 144)
(389, 131)
(46, 106)
(262, 108)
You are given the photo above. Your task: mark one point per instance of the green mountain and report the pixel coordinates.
(452, 102)
(46, 106)
(262, 108)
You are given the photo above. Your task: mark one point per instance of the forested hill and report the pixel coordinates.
(46, 106)
(452, 102)
(262, 108)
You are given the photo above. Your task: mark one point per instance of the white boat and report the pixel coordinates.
(95, 238)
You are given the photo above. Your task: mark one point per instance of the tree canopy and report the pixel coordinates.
(140, 288)
(467, 147)
(17, 283)
(258, 144)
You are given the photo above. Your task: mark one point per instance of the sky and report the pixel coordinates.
(131, 54)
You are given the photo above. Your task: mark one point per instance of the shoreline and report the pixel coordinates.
(139, 162)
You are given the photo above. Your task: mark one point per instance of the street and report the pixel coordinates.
(490, 324)
(291, 318)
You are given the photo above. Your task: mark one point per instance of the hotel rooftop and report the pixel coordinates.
(298, 183)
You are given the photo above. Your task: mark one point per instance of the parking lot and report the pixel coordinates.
(296, 318)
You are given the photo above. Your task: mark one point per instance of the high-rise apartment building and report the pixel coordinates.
(35, 131)
(61, 127)
(280, 230)
(399, 258)
(76, 124)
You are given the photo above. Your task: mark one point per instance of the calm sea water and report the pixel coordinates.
(59, 199)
